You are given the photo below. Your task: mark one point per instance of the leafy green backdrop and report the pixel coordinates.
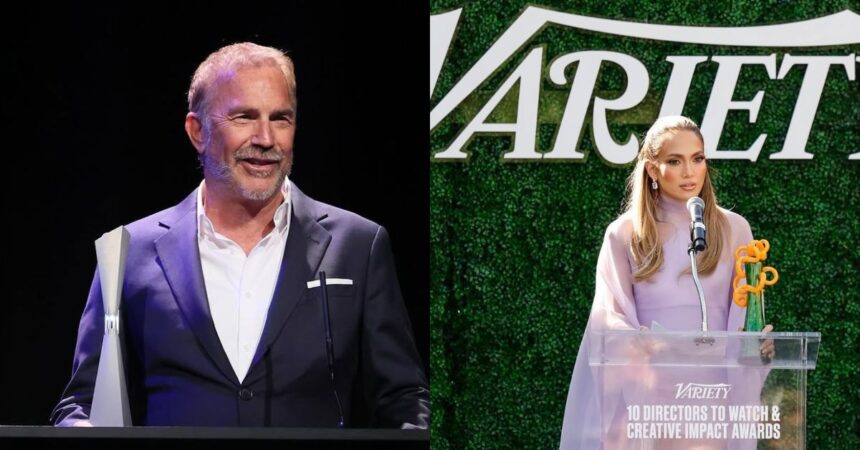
(514, 245)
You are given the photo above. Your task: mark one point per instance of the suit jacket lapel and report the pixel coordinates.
(179, 256)
(306, 244)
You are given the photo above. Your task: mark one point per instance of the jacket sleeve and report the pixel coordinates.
(394, 380)
(77, 397)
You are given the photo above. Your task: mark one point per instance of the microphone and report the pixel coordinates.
(696, 207)
(329, 346)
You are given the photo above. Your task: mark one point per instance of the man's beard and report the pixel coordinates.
(222, 172)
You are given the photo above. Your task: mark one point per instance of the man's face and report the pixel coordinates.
(248, 139)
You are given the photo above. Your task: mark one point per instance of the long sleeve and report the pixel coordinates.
(741, 234)
(78, 395)
(747, 383)
(613, 308)
(394, 381)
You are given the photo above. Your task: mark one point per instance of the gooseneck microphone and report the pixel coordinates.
(698, 231)
(329, 346)
(698, 243)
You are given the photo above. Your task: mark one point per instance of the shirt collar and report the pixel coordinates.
(669, 208)
(281, 219)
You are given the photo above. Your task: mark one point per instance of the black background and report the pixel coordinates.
(93, 111)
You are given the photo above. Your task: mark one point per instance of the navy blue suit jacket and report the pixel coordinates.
(177, 371)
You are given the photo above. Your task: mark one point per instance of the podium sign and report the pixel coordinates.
(702, 389)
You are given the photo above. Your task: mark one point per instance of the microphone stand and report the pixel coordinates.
(329, 347)
(691, 250)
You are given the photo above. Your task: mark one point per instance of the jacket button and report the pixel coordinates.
(246, 394)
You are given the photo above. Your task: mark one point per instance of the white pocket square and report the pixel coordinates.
(330, 282)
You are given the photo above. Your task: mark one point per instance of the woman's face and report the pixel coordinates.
(680, 168)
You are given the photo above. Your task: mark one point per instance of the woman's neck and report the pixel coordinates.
(670, 208)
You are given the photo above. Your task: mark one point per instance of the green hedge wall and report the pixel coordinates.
(514, 245)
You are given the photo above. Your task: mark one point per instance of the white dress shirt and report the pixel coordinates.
(240, 287)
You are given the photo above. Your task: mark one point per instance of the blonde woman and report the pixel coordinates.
(643, 270)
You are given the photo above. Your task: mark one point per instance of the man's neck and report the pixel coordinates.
(246, 222)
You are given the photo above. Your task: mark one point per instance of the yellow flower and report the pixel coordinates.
(755, 251)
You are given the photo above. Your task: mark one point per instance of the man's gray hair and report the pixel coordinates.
(230, 59)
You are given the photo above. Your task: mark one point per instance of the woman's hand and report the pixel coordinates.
(767, 349)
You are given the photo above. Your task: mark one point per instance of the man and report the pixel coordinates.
(222, 317)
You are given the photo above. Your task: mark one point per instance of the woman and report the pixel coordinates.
(643, 270)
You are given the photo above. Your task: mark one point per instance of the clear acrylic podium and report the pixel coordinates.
(708, 390)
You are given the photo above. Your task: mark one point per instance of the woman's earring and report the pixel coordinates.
(654, 184)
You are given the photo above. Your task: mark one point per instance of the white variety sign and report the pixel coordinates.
(837, 29)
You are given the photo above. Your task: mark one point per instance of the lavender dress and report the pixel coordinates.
(668, 298)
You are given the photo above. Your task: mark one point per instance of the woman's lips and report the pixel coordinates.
(688, 187)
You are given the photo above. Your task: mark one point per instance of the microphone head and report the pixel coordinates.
(696, 207)
(695, 201)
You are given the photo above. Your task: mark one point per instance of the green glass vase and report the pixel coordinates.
(754, 320)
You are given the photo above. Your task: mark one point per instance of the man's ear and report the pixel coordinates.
(194, 129)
